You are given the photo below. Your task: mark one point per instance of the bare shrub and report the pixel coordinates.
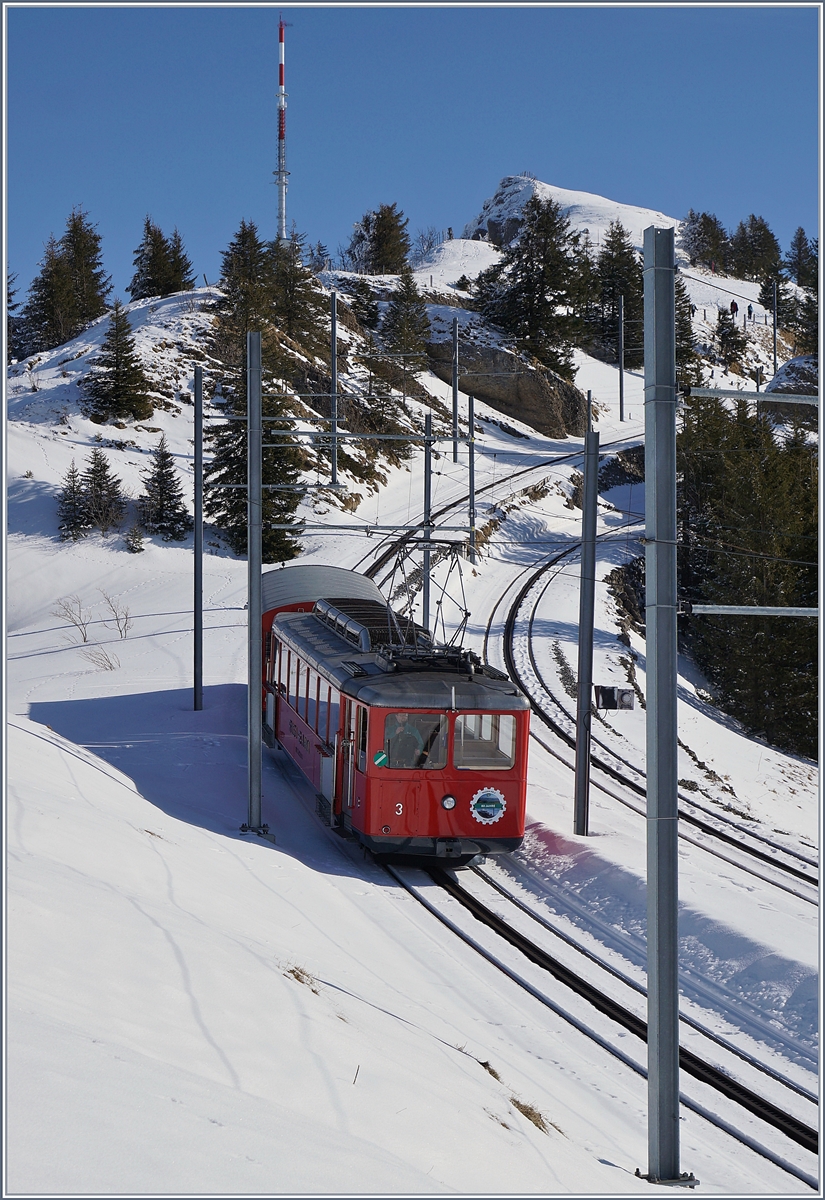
(120, 614)
(71, 610)
(102, 659)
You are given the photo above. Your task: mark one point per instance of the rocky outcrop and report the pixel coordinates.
(524, 391)
(798, 375)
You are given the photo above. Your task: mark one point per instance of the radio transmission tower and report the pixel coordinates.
(281, 173)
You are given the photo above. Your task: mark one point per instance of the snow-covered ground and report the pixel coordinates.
(192, 1011)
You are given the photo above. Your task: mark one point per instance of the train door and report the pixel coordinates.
(347, 761)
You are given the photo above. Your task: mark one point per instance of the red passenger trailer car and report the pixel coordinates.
(414, 748)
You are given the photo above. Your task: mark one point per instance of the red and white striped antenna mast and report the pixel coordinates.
(281, 173)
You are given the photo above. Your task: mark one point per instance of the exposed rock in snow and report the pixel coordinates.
(798, 376)
(528, 393)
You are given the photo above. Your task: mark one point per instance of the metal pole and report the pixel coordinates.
(621, 358)
(198, 598)
(774, 326)
(471, 445)
(587, 599)
(334, 387)
(455, 389)
(253, 534)
(589, 411)
(428, 478)
(662, 774)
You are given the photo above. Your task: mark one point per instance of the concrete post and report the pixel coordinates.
(198, 597)
(253, 533)
(662, 767)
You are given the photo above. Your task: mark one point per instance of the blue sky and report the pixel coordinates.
(171, 111)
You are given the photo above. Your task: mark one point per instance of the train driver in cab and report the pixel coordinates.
(405, 745)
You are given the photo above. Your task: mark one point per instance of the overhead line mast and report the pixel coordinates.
(281, 173)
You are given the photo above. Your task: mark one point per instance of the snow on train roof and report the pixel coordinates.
(309, 582)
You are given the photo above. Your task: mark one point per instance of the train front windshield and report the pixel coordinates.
(483, 741)
(416, 740)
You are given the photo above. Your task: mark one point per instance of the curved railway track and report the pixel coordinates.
(802, 868)
(792, 1127)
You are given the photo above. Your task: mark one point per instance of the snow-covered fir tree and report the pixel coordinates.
(162, 509)
(117, 385)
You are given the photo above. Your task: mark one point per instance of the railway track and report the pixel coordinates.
(792, 1127)
(789, 863)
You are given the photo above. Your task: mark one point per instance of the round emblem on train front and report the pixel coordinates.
(488, 805)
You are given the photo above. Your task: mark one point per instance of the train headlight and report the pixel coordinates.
(448, 802)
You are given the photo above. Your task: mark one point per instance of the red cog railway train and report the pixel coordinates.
(414, 748)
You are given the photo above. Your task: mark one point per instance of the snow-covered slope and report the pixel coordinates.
(193, 1012)
(500, 216)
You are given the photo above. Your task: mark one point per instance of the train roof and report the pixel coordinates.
(306, 582)
(407, 677)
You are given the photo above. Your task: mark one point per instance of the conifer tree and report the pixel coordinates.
(530, 293)
(586, 295)
(181, 277)
(619, 273)
(729, 339)
(363, 303)
(162, 509)
(748, 520)
(247, 305)
(152, 265)
(318, 257)
(754, 250)
(81, 244)
(786, 305)
(299, 307)
(73, 518)
(104, 504)
(14, 322)
(799, 261)
(117, 385)
(807, 326)
(702, 236)
(49, 316)
(380, 244)
(687, 358)
(406, 327)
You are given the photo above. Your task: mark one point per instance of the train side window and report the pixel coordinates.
(293, 666)
(415, 741)
(334, 712)
(312, 699)
(485, 741)
(361, 738)
(312, 703)
(323, 709)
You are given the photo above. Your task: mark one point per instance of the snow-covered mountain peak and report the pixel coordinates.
(500, 218)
